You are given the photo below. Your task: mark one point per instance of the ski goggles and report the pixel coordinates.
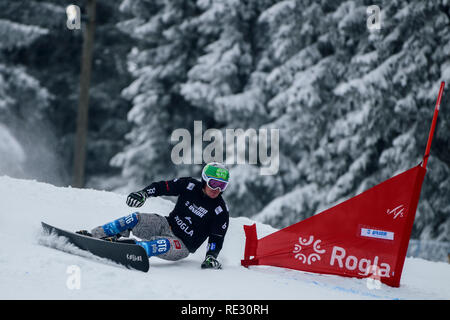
(216, 184)
(215, 177)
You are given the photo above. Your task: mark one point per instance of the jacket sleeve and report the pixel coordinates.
(166, 188)
(218, 230)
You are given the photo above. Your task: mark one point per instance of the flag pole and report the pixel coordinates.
(433, 126)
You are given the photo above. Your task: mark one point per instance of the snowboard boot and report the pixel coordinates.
(118, 228)
(84, 233)
(115, 238)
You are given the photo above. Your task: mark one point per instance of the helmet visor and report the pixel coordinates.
(217, 184)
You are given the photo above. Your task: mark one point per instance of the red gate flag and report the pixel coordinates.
(365, 236)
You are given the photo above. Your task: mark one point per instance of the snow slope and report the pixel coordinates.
(32, 269)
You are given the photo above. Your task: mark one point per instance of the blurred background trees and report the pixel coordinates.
(353, 106)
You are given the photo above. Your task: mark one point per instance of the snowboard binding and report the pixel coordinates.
(114, 238)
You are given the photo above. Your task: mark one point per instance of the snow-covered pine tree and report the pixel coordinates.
(398, 89)
(22, 97)
(300, 70)
(159, 65)
(54, 60)
(222, 85)
(353, 106)
(108, 109)
(376, 103)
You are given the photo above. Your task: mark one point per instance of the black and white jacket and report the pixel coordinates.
(195, 216)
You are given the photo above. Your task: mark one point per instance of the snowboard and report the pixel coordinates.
(131, 256)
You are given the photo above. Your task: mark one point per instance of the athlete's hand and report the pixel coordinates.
(136, 199)
(211, 263)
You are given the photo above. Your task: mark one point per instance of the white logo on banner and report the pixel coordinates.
(313, 257)
(397, 211)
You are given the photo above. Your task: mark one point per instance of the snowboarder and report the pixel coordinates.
(199, 213)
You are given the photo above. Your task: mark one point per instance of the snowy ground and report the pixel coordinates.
(32, 269)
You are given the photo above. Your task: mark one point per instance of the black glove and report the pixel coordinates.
(136, 199)
(211, 263)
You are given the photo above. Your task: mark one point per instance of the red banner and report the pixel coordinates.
(365, 236)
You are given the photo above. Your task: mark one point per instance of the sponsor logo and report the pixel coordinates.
(198, 211)
(364, 266)
(312, 257)
(134, 257)
(368, 267)
(177, 244)
(396, 212)
(155, 247)
(377, 234)
(222, 173)
(160, 246)
(218, 210)
(183, 226)
(130, 218)
(150, 191)
(190, 186)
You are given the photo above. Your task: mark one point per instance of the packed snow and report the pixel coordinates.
(33, 269)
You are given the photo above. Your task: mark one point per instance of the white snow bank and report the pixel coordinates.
(32, 269)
